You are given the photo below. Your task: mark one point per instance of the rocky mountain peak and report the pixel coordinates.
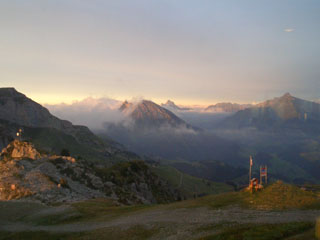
(147, 114)
(285, 101)
(9, 92)
(286, 95)
(125, 105)
(172, 106)
(15, 107)
(19, 150)
(169, 102)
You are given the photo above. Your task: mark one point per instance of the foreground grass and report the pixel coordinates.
(213, 201)
(103, 209)
(14, 211)
(91, 210)
(224, 231)
(261, 232)
(136, 232)
(277, 196)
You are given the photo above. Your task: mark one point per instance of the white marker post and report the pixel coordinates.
(251, 163)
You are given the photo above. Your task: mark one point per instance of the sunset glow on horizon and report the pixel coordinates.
(191, 52)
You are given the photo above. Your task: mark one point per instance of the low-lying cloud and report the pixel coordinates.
(91, 112)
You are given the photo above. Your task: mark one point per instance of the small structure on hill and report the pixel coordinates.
(264, 173)
(254, 182)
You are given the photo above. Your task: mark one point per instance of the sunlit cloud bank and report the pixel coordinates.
(91, 112)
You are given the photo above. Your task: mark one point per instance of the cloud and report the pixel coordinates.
(289, 30)
(91, 112)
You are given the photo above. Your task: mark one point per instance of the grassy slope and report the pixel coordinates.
(298, 230)
(53, 140)
(137, 232)
(189, 184)
(279, 196)
(283, 196)
(260, 231)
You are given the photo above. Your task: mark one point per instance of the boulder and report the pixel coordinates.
(19, 150)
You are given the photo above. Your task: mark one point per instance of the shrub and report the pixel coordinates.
(65, 152)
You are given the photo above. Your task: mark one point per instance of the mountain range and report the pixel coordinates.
(151, 130)
(99, 167)
(281, 113)
(227, 107)
(281, 132)
(50, 133)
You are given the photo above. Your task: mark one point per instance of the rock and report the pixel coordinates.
(109, 184)
(96, 182)
(19, 150)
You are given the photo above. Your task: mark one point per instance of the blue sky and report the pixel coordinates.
(194, 52)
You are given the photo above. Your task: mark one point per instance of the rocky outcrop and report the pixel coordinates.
(26, 174)
(19, 150)
(134, 182)
(43, 180)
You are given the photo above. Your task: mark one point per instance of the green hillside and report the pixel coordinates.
(89, 147)
(190, 185)
(276, 196)
(285, 196)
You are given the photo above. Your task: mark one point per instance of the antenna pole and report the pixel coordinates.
(250, 169)
(260, 175)
(266, 179)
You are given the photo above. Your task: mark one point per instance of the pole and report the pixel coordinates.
(250, 170)
(266, 177)
(260, 175)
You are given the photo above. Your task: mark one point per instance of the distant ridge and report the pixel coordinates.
(170, 105)
(286, 110)
(227, 107)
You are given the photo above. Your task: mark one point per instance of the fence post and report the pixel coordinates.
(318, 229)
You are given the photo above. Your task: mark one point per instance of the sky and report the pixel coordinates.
(192, 52)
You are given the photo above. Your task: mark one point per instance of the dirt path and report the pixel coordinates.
(182, 217)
